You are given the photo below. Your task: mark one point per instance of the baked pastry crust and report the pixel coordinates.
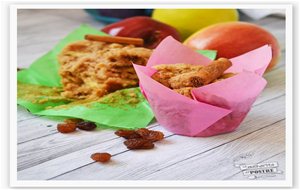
(182, 78)
(92, 69)
(167, 71)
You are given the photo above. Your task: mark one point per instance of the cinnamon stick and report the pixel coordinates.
(115, 39)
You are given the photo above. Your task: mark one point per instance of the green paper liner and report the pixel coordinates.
(211, 54)
(125, 108)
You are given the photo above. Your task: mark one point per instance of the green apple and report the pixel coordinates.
(188, 21)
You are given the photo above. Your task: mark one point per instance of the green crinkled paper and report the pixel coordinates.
(39, 89)
(122, 109)
(211, 54)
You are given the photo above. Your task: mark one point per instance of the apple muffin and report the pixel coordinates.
(92, 69)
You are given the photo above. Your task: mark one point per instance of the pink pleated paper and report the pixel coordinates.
(218, 107)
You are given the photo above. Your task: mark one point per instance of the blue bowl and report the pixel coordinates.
(109, 16)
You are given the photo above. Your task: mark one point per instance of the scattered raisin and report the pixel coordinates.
(86, 125)
(66, 127)
(143, 132)
(127, 134)
(139, 144)
(73, 120)
(150, 134)
(155, 136)
(101, 157)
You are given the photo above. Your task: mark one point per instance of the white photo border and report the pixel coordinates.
(130, 183)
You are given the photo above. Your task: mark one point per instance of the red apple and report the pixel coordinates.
(152, 31)
(232, 39)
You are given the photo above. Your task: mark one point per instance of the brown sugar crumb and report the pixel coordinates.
(40, 94)
(129, 97)
(186, 91)
(73, 120)
(101, 157)
(92, 69)
(66, 127)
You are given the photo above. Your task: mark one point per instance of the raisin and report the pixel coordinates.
(66, 127)
(155, 136)
(150, 134)
(86, 125)
(101, 157)
(127, 134)
(139, 144)
(143, 132)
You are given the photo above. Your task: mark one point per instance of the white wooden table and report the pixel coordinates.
(45, 154)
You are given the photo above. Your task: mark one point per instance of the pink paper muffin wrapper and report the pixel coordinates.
(217, 108)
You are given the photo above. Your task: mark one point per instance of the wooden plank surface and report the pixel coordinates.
(169, 151)
(45, 154)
